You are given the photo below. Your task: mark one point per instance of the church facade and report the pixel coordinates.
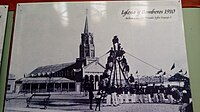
(66, 76)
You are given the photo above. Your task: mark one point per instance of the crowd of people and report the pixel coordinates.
(114, 93)
(143, 94)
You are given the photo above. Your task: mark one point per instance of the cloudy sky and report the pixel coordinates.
(49, 33)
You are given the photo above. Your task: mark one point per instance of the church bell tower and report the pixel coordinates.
(87, 48)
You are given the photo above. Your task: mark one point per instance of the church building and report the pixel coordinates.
(66, 76)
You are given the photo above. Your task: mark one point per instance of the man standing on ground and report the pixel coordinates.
(91, 95)
(155, 93)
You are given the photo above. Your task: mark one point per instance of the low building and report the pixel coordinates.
(11, 84)
(65, 76)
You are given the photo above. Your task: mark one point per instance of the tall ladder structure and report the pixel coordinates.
(117, 68)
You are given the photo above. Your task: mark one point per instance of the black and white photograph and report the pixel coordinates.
(103, 56)
(3, 18)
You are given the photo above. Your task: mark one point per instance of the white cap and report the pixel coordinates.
(184, 91)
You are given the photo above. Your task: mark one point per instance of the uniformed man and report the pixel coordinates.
(119, 46)
(120, 94)
(123, 61)
(105, 74)
(161, 93)
(141, 94)
(185, 101)
(126, 69)
(111, 51)
(98, 100)
(132, 94)
(169, 94)
(131, 78)
(115, 40)
(176, 95)
(137, 91)
(108, 97)
(126, 93)
(110, 59)
(105, 83)
(91, 95)
(120, 53)
(148, 93)
(85, 87)
(108, 67)
(114, 95)
(155, 94)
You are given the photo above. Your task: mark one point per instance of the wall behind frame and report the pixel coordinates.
(5, 58)
(192, 33)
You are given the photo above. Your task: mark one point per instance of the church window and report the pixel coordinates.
(96, 78)
(86, 40)
(91, 40)
(87, 53)
(91, 78)
(92, 53)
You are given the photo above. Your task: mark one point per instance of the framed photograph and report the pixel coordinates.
(119, 56)
(3, 18)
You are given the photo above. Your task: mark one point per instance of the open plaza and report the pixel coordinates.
(64, 103)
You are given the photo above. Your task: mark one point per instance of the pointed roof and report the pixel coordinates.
(178, 77)
(86, 23)
(94, 67)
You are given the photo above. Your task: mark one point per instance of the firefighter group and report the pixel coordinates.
(115, 90)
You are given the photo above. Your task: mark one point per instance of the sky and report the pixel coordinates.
(50, 33)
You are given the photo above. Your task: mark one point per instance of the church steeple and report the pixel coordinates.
(87, 48)
(86, 24)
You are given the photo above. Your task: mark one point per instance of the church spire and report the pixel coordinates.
(87, 48)
(86, 23)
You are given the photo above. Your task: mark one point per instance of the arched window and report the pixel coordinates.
(91, 78)
(96, 78)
